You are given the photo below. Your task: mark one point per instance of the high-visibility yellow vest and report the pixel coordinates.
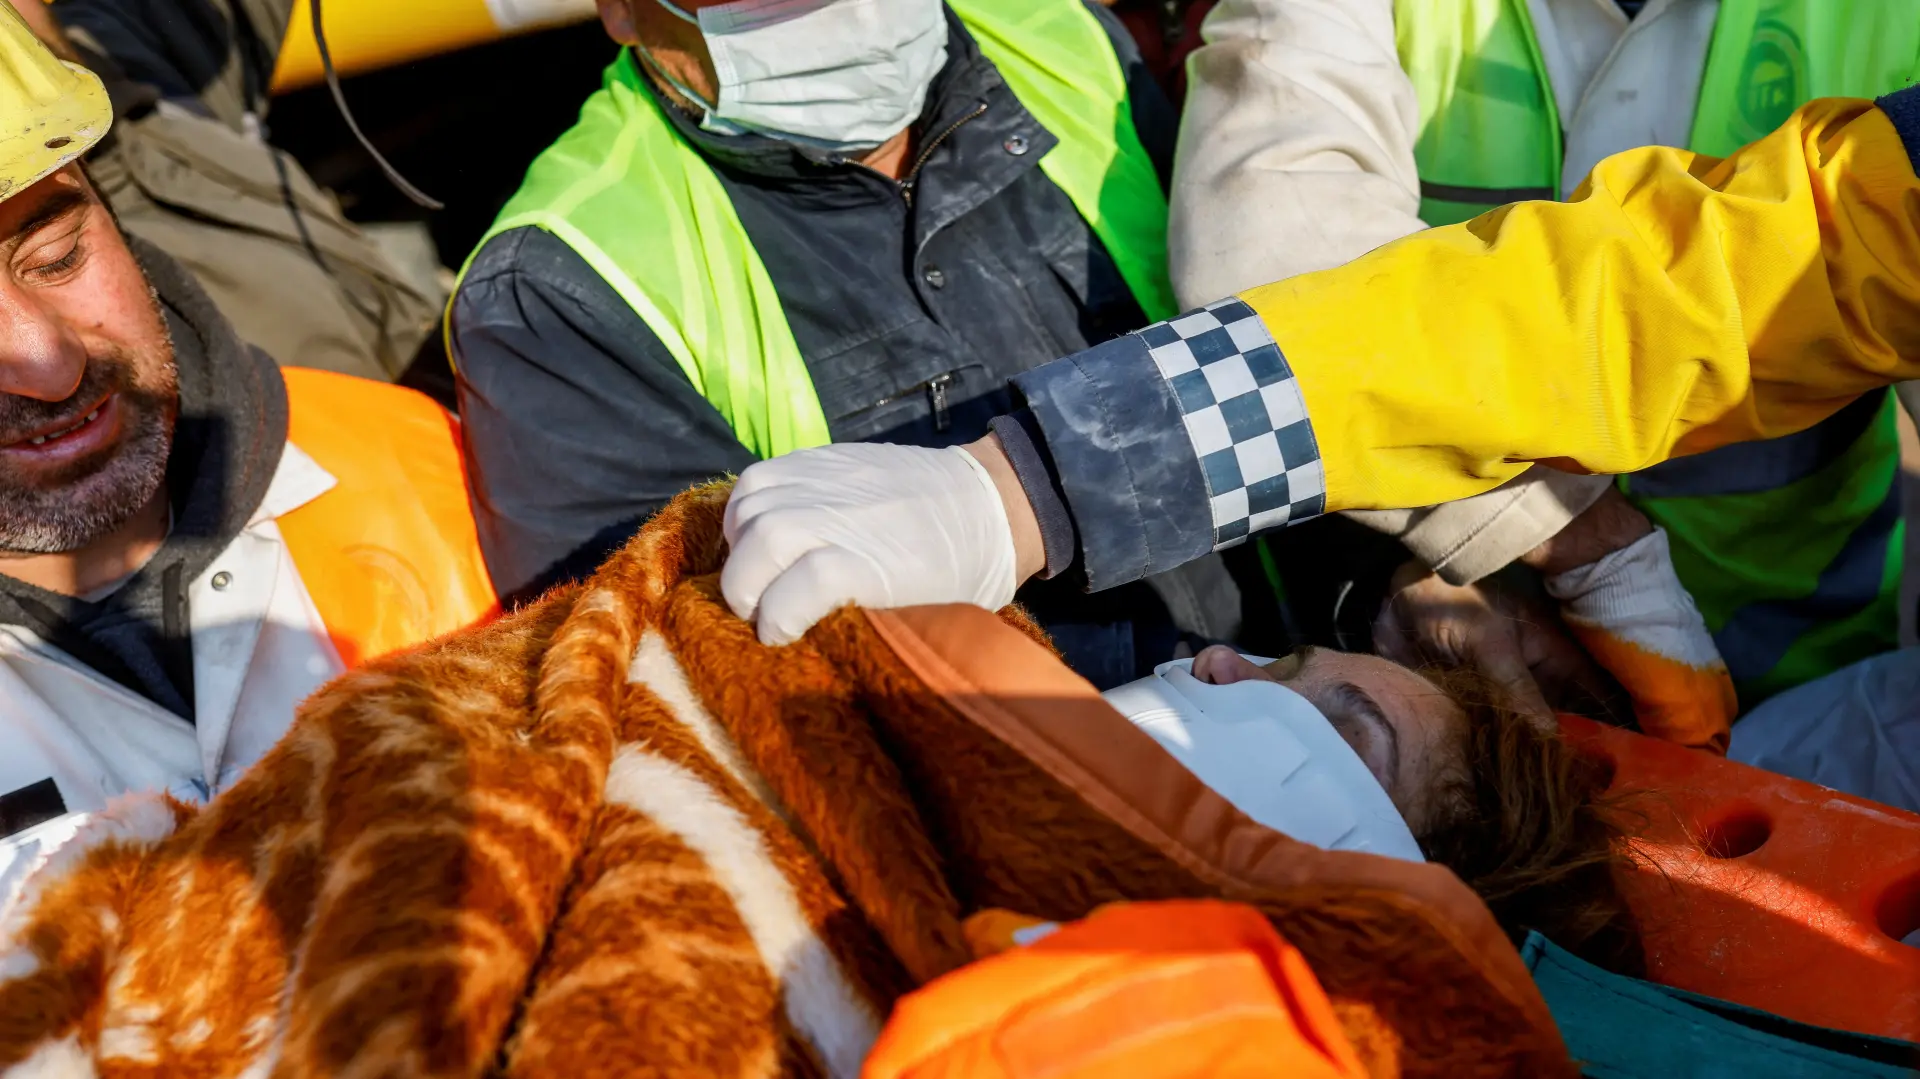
(1798, 578)
(643, 208)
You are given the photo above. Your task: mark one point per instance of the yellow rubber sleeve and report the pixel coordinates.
(1675, 304)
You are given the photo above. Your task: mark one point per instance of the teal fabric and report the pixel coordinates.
(1624, 1028)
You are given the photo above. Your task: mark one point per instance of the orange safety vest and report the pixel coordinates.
(1193, 989)
(390, 555)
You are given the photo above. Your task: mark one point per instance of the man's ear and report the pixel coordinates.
(617, 17)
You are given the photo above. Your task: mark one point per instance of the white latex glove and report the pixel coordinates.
(877, 525)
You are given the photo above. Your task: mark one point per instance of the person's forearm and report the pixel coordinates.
(1116, 431)
(1606, 526)
(1677, 304)
(1029, 546)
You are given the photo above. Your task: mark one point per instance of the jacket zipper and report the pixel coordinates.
(905, 183)
(937, 396)
(936, 390)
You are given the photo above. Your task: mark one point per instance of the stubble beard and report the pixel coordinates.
(66, 510)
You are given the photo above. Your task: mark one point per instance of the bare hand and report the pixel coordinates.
(1514, 640)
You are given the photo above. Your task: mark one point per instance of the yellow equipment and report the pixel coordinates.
(365, 35)
(55, 111)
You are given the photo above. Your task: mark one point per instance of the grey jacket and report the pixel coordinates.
(912, 303)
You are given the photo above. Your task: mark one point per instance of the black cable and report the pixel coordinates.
(307, 241)
(340, 101)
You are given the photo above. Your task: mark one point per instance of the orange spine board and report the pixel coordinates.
(1767, 891)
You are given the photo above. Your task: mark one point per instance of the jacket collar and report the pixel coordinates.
(297, 480)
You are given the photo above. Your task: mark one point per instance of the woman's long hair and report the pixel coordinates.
(1529, 827)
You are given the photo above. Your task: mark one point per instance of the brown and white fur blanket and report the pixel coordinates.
(613, 835)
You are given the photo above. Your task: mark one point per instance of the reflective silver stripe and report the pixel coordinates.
(1749, 467)
(1483, 196)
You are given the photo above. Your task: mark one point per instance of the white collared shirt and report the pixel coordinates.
(259, 648)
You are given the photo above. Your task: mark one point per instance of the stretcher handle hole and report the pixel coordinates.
(1737, 834)
(1898, 911)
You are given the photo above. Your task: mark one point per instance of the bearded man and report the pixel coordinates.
(191, 540)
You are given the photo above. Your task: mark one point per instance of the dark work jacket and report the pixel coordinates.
(913, 303)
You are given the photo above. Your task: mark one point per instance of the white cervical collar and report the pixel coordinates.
(1268, 751)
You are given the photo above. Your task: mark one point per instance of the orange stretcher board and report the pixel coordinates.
(1767, 891)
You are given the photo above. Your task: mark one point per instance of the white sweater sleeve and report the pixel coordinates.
(1296, 146)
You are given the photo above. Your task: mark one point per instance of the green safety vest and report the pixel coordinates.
(1761, 565)
(641, 206)
(1490, 132)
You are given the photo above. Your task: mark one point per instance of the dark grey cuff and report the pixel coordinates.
(1903, 108)
(1134, 488)
(1021, 440)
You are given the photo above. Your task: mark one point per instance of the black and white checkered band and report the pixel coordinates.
(1245, 415)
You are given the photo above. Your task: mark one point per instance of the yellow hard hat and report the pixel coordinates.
(51, 111)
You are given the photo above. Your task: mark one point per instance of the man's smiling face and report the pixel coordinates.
(88, 388)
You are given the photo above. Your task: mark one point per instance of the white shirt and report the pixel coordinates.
(259, 648)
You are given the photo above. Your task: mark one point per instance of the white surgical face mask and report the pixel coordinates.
(1270, 752)
(835, 75)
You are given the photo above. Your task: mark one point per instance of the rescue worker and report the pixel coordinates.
(1675, 305)
(191, 540)
(776, 228)
(1317, 130)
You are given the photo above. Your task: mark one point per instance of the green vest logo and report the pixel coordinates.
(1771, 81)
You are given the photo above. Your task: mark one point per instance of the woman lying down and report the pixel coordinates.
(1356, 752)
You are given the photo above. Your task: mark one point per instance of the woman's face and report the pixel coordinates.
(1408, 733)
